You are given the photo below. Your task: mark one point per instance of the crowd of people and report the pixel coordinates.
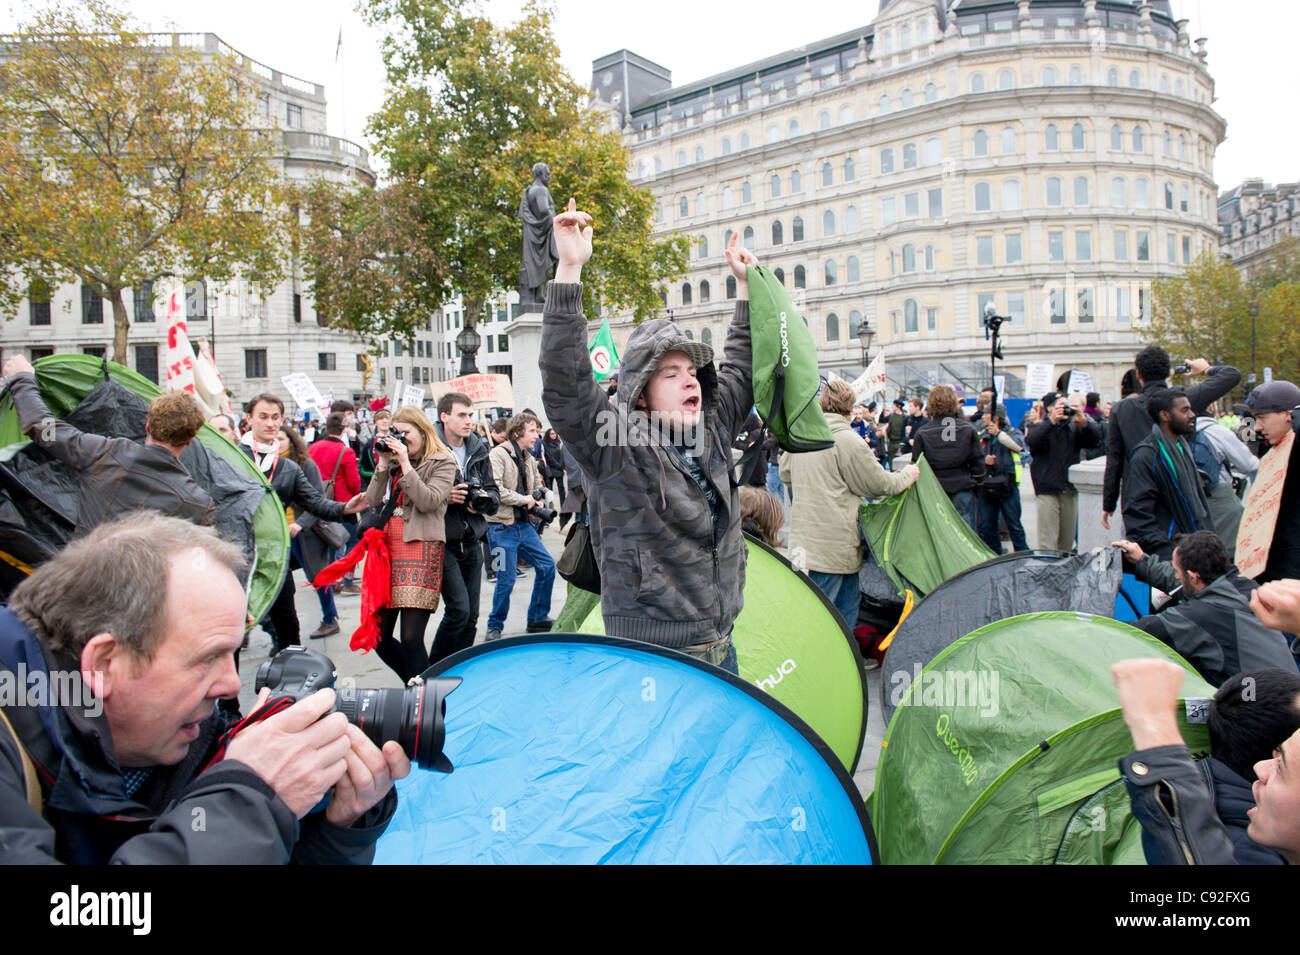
(149, 605)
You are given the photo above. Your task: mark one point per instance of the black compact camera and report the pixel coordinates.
(479, 499)
(544, 514)
(1182, 369)
(413, 716)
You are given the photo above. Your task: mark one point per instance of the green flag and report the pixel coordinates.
(604, 356)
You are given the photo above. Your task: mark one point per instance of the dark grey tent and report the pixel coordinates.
(1030, 581)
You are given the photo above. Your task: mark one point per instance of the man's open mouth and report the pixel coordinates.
(691, 404)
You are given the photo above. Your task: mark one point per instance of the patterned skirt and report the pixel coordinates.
(416, 578)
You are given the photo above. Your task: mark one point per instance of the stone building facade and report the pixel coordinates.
(1254, 217)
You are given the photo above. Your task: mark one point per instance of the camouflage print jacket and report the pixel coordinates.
(670, 573)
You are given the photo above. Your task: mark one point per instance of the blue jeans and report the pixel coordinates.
(507, 542)
(964, 501)
(1008, 510)
(774, 483)
(842, 590)
(329, 613)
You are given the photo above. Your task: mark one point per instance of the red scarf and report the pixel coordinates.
(375, 592)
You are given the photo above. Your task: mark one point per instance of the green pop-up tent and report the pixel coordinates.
(918, 537)
(1004, 748)
(39, 498)
(790, 642)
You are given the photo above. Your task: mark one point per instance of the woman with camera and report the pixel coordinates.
(415, 467)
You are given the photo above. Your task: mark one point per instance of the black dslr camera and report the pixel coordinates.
(479, 499)
(413, 716)
(381, 446)
(542, 513)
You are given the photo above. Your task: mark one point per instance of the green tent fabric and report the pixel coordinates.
(1004, 749)
(918, 537)
(64, 380)
(786, 378)
(791, 643)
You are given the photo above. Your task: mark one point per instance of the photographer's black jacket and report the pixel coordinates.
(88, 819)
(461, 525)
(1055, 447)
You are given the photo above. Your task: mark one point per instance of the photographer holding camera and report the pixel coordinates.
(510, 530)
(413, 466)
(473, 496)
(136, 625)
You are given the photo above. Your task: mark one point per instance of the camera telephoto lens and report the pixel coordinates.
(413, 716)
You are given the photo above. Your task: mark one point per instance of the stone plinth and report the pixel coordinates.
(1088, 477)
(525, 349)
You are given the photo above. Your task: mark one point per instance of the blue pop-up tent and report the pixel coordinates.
(582, 749)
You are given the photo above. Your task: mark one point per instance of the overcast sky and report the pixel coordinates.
(1250, 43)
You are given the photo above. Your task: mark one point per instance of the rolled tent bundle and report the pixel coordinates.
(40, 497)
(792, 643)
(576, 749)
(1005, 749)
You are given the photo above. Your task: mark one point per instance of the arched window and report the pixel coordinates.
(909, 155)
(699, 154)
(828, 174)
(774, 186)
(1076, 76)
(726, 197)
(981, 143)
(778, 233)
(1051, 137)
(831, 272)
(780, 275)
(796, 229)
(1178, 87)
(977, 84)
(909, 258)
(931, 92)
(824, 119)
(832, 327)
(796, 181)
(690, 333)
(887, 159)
(1169, 195)
(1053, 191)
(1076, 137)
(851, 220)
(1006, 80)
(1008, 141)
(886, 41)
(747, 237)
(681, 157)
(855, 322)
(1135, 80)
(905, 38)
(846, 114)
(1118, 192)
(854, 269)
(726, 145)
(706, 333)
(1112, 77)
(1080, 190)
(849, 172)
(983, 200)
(933, 151)
(792, 129)
(703, 245)
(929, 258)
(686, 293)
(1049, 76)
(1011, 194)
(800, 277)
(1117, 138)
(746, 192)
(1183, 199)
(1169, 143)
(1139, 140)
(731, 286)
(704, 293)
(683, 207)
(1182, 146)
(828, 223)
(640, 169)
(772, 134)
(744, 140)
(700, 205)
(882, 104)
(907, 98)
(1141, 194)
(910, 316)
(1164, 82)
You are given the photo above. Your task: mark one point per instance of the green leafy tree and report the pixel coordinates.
(471, 107)
(122, 161)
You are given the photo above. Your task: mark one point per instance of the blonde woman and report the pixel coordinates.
(419, 471)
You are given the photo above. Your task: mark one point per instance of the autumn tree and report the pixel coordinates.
(471, 107)
(122, 161)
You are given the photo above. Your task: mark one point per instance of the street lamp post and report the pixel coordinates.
(468, 342)
(865, 333)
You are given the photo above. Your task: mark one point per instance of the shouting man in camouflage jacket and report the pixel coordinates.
(665, 512)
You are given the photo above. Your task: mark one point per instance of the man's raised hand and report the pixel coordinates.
(740, 258)
(572, 243)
